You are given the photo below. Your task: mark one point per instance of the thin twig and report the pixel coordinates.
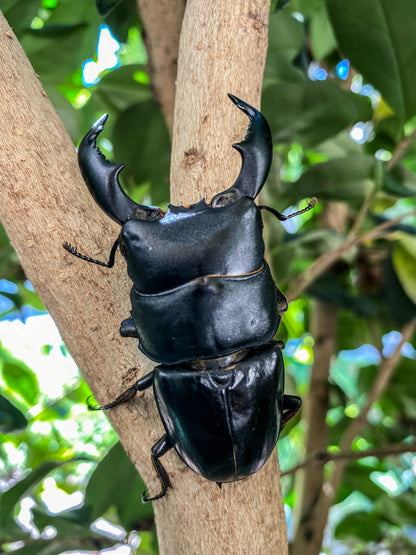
(365, 207)
(322, 457)
(326, 260)
(400, 149)
(386, 370)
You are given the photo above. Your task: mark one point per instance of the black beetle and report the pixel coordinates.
(205, 307)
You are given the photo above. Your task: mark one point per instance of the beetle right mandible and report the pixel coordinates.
(206, 308)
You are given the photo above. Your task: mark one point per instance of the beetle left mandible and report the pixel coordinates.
(205, 307)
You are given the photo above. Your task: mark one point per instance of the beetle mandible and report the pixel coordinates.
(206, 308)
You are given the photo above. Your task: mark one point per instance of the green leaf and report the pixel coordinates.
(378, 38)
(105, 7)
(278, 5)
(121, 18)
(397, 510)
(141, 141)
(363, 525)
(404, 262)
(20, 14)
(68, 38)
(286, 38)
(400, 181)
(120, 88)
(9, 499)
(322, 37)
(70, 523)
(398, 304)
(348, 179)
(310, 112)
(114, 480)
(11, 418)
(357, 478)
(19, 378)
(331, 291)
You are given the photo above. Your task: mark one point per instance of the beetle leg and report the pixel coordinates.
(140, 385)
(128, 328)
(158, 450)
(281, 301)
(108, 264)
(291, 406)
(282, 217)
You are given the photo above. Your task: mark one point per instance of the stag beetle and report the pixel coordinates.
(205, 307)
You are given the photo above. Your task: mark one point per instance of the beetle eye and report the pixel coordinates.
(123, 250)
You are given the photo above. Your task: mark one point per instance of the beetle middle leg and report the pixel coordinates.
(140, 385)
(161, 447)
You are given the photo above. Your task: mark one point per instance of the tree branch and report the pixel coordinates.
(162, 22)
(326, 260)
(401, 149)
(324, 456)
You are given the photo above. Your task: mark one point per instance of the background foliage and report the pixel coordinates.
(339, 94)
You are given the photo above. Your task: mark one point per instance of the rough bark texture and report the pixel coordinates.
(43, 202)
(162, 21)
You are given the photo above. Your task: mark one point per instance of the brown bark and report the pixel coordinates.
(162, 22)
(224, 54)
(43, 202)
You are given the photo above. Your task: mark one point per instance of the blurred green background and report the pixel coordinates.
(340, 97)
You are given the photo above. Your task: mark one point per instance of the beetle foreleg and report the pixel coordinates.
(140, 385)
(108, 264)
(291, 406)
(158, 450)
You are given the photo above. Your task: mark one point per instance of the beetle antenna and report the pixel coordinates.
(109, 264)
(283, 218)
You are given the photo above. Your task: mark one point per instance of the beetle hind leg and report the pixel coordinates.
(158, 450)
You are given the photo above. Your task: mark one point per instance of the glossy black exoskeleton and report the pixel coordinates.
(205, 307)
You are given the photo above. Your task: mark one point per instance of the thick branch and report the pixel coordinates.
(222, 49)
(43, 202)
(162, 22)
(218, 55)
